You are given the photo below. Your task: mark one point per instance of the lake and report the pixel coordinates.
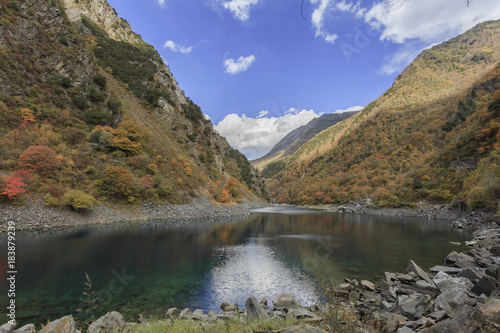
(147, 268)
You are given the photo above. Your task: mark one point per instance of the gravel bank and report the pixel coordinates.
(35, 215)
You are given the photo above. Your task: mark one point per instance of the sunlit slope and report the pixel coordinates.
(432, 136)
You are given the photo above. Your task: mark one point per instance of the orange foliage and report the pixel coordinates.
(40, 158)
(14, 187)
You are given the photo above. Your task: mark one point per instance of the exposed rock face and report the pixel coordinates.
(107, 323)
(65, 324)
(254, 309)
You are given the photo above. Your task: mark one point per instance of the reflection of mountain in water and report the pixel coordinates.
(199, 265)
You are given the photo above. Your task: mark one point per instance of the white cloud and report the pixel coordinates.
(318, 20)
(240, 65)
(352, 108)
(177, 48)
(428, 20)
(396, 62)
(239, 8)
(254, 137)
(262, 113)
(161, 2)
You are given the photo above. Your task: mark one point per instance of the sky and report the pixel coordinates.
(261, 68)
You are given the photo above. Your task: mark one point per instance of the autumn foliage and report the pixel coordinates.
(41, 159)
(116, 182)
(14, 186)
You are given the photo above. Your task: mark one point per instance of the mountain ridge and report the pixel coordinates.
(106, 113)
(296, 138)
(404, 146)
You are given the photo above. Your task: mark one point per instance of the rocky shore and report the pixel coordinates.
(35, 215)
(461, 295)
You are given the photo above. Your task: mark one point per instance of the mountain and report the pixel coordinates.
(433, 136)
(90, 112)
(296, 138)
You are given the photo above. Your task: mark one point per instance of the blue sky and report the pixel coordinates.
(261, 68)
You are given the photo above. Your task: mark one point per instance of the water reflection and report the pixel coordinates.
(199, 264)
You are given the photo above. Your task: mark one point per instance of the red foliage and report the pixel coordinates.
(40, 158)
(14, 187)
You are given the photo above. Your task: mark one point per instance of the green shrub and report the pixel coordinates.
(78, 200)
(51, 201)
(100, 80)
(66, 83)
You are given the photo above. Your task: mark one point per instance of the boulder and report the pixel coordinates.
(413, 267)
(63, 325)
(389, 322)
(301, 329)
(254, 309)
(186, 314)
(26, 328)
(486, 285)
(479, 253)
(300, 313)
(197, 314)
(368, 285)
(107, 323)
(414, 306)
(461, 322)
(494, 271)
(446, 269)
(285, 301)
(446, 282)
(452, 299)
(471, 274)
(170, 312)
(491, 310)
(438, 315)
(460, 259)
(7, 328)
(405, 330)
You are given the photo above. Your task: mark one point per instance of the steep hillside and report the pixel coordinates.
(432, 136)
(296, 138)
(89, 112)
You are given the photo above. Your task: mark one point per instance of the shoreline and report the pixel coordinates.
(36, 216)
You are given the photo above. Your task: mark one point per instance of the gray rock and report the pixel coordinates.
(7, 328)
(438, 315)
(389, 322)
(229, 307)
(460, 260)
(254, 309)
(494, 271)
(300, 313)
(414, 307)
(461, 322)
(452, 299)
(26, 328)
(479, 253)
(224, 305)
(413, 267)
(107, 323)
(471, 274)
(495, 250)
(491, 310)
(63, 325)
(186, 314)
(285, 301)
(263, 301)
(405, 330)
(386, 305)
(301, 329)
(446, 269)
(447, 282)
(197, 314)
(170, 312)
(368, 285)
(486, 285)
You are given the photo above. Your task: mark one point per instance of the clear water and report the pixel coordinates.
(150, 267)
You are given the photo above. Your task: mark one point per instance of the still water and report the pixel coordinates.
(150, 267)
